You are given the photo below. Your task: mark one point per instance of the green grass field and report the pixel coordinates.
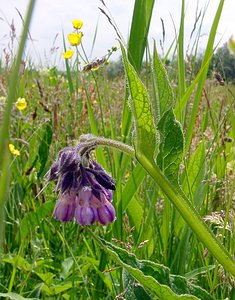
(165, 134)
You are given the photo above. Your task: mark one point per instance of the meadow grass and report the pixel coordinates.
(155, 249)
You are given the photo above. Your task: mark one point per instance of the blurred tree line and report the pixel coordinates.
(222, 62)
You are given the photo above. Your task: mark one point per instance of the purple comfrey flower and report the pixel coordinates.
(106, 213)
(86, 211)
(65, 207)
(85, 189)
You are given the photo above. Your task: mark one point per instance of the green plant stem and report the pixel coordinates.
(186, 209)
(94, 141)
(13, 82)
(189, 214)
(4, 131)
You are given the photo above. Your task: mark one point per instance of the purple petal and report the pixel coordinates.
(109, 195)
(106, 213)
(84, 196)
(69, 160)
(65, 207)
(103, 178)
(85, 215)
(68, 181)
(53, 172)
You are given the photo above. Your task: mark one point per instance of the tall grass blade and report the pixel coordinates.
(206, 59)
(4, 131)
(181, 62)
(139, 31)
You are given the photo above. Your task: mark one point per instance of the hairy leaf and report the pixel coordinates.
(155, 278)
(164, 97)
(145, 133)
(171, 146)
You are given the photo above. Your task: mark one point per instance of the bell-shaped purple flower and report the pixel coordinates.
(65, 207)
(106, 213)
(84, 187)
(85, 213)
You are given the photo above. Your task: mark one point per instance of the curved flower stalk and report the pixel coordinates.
(85, 189)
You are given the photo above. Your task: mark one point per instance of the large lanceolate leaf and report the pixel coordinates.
(171, 136)
(164, 94)
(145, 132)
(155, 278)
(171, 146)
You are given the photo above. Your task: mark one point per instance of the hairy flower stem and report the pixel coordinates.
(90, 142)
(174, 194)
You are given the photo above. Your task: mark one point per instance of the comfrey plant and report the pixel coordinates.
(85, 189)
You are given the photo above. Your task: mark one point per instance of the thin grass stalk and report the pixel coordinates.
(208, 54)
(181, 62)
(190, 215)
(4, 131)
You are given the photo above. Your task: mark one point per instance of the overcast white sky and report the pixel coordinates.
(50, 17)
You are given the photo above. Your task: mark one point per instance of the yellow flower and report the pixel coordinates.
(13, 150)
(77, 24)
(95, 68)
(68, 54)
(75, 38)
(21, 103)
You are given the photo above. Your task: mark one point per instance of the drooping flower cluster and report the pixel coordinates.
(85, 189)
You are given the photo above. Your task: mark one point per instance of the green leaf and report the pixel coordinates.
(164, 97)
(141, 19)
(171, 146)
(66, 267)
(135, 212)
(44, 146)
(193, 181)
(58, 289)
(131, 187)
(133, 291)
(18, 262)
(199, 271)
(47, 278)
(14, 296)
(145, 132)
(32, 219)
(139, 31)
(154, 277)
